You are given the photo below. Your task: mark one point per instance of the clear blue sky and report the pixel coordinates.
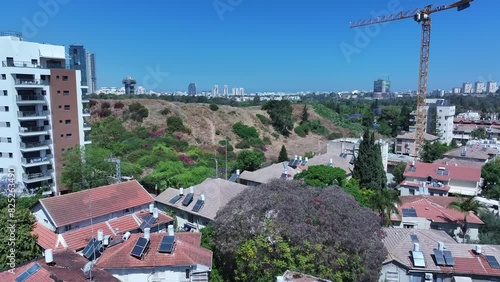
(264, 44)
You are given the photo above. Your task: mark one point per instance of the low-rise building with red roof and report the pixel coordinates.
(432, 255)
(432, 212)
(66, 266)
(440, 179)
(180, 259)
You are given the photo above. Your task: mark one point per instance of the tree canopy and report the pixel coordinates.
(281, 115)
(491, 175)
(466, 205)
(323, 176)
(368, 166)
(283, 225)
(283, 156)
(433, 151)
(250, 160)
(398, 173)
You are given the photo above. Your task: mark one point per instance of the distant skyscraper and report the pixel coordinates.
(192, 88)
(456, 90)
(467, 88)
(242, 91)
(381, 86)
(78, 61)
(91, 75)
(215, 91)
(225, 91)
(479, 87)
(129, 84)
(491, 87)
(235, 91)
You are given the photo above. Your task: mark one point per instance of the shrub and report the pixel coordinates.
(244, 144)
(136, 112)
(334, 135)
(175, 124)
(165, 111)
(213, 107)
(263, 119)
(218, 132)
(118, 105)
(276, 135)
(104, 113)
(92, 103)
(267, 140)
(300, 131)
(244, 131)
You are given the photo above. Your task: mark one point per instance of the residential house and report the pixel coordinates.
(405, 143)
(432, 212)
(440, 179)
(342, 160)
(75, 210)
(115, 209)
(350, 147)
(481, 153)
(266, 174)
(459, 162)
(158, 257)
(64, 266)
(432, 255)
(197, 207)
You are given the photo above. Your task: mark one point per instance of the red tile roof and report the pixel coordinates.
(187, 251)
(435, 208)
(424, 170)
(75, 207)
(77, 239)
(68, 267)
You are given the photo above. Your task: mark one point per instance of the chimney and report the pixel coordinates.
(477, 250)
(100, 235)
(237, 172)
(146, 233)
(151, 207)
(202, 197)
(441, 246)
(170, 230)
(155, 212)
(416, 247)
(191, 189)
(181, 191)
(49, 258)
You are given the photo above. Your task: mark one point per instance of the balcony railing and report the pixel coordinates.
(87, 138)
(86, 111)
(29, 129)
(85, 97)
(32, 113)
(30, 98)
(26, 64)
(29, 145)
(31, 82)
(86, 125)
(30, 176)
(36, 160)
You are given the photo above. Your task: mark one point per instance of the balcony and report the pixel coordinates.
(85, 99)
(31, 82)
(36, 177)
(86, 112)
(26, 64)
(86, 126)
(87, 140)
(31, 115)
(36, 161)
(34, 130)
(34, 146)
(30, 99)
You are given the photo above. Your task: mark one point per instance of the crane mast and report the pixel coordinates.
(422, 17)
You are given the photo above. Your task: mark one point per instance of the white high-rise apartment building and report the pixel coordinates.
(215, 91)
(456, 90)
(242, 91)
(467, 88)
(225, 91)
(42, 112)
(444, 114)
(491, 87)
(479, 87)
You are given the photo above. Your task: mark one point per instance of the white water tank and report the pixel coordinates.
(49, 257)
(478, 249)
(237, 172)
(151, 207)
(155, 212)
(202, 197)
(191, 189)
(441, 246)
(146, 233)
(181, 191)
(170, 230)
(126, 236)
(100, 235)
(416, 247)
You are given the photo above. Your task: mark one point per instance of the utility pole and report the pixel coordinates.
(216, 168)
(226, 157)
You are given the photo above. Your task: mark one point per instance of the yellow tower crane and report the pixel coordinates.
(421, 16)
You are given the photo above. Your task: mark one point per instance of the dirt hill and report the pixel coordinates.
(209, 127)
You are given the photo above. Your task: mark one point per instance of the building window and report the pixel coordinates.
(1, 170)
(60, 121)
(9, 140)
(408, 226)
(11, 155)
(65, 78)
(4, 77)
(57, 76)
(62, 135)
(68, 121)
(5, 92)
(69, 135)
(62, 149)
(4, 109)
(66, 107)
(7, 124)
(412, 191)
(66, 93)
(34, 62)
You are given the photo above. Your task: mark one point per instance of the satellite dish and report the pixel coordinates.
(88, 267)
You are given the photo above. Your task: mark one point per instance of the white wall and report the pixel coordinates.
(170, 274)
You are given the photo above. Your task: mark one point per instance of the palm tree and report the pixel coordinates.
(466, 205)
(383, 202)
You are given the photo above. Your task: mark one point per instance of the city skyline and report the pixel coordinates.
(292, 47)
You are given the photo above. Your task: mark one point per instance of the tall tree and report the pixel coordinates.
(433, 151)
(398, 173)
(491, 179)
(282, 225)
(322, 176)
(466, 205)
(250, 160)
(305, 114)
(479, 133)
(17, 244)
(283, 156)
(404, 118)
(281, 115)
(368, 166)
(383, 203)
